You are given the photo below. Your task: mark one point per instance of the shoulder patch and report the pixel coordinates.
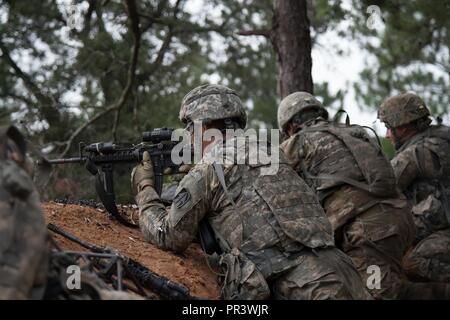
(181, 198)
(188, 194)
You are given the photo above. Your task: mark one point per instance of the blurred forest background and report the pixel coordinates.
(107, 70)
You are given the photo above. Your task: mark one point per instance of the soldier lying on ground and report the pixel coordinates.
(422, 168)
(356, 186)
(273, 237)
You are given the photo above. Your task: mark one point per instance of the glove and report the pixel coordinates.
(184, 169)
(142, 175)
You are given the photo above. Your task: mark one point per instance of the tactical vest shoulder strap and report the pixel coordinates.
(209, 237)
(218, 169)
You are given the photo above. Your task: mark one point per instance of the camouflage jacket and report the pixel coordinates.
(334, 168)
(422, 168)
(23, 236)
(268, 218)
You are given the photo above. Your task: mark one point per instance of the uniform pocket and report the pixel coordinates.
(242, 280)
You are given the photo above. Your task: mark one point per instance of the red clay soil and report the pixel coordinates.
(189, 269)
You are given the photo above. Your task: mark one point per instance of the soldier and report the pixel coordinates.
(273, 237)
(356, 186)
(422, 168)
(23, 249)
(28, 270)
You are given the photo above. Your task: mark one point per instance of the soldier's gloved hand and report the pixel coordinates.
(143, 175)
(185, 168)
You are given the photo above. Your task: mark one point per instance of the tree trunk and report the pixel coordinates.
(291, 39)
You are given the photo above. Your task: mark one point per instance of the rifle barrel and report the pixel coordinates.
(67, 160)
(75, 239)
(147, 278)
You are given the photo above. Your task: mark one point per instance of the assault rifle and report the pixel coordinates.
(99, 159)
(141, 276)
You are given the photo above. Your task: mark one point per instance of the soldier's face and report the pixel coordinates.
(390, 136)
(398, 136)
(204, 143)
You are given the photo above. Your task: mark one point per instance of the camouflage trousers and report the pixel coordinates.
(324, 274)
(429, 259)
(376, 241)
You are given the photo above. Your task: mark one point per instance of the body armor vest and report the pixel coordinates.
(274, 217)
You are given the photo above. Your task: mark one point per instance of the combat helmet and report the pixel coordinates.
(297, 102)
(402, 109)
(212, 102)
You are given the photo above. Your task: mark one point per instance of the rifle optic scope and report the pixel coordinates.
(100, 147)
(157, 135)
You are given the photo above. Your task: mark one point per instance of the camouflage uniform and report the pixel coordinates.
(422, 168)
(275, 238)
(23, 250)
(27, 269)
(371, 221)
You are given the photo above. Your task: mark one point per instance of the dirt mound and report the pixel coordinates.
(189, 268)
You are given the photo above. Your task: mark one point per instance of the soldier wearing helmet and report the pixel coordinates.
(270, 243)
(356, 186)
(298, 108)
(404, 115)
(422, 169)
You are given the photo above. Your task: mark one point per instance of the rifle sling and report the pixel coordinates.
(109, 203)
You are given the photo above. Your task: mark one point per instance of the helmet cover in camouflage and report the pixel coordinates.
(212, 102)
(294, 103)
(402, 109)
